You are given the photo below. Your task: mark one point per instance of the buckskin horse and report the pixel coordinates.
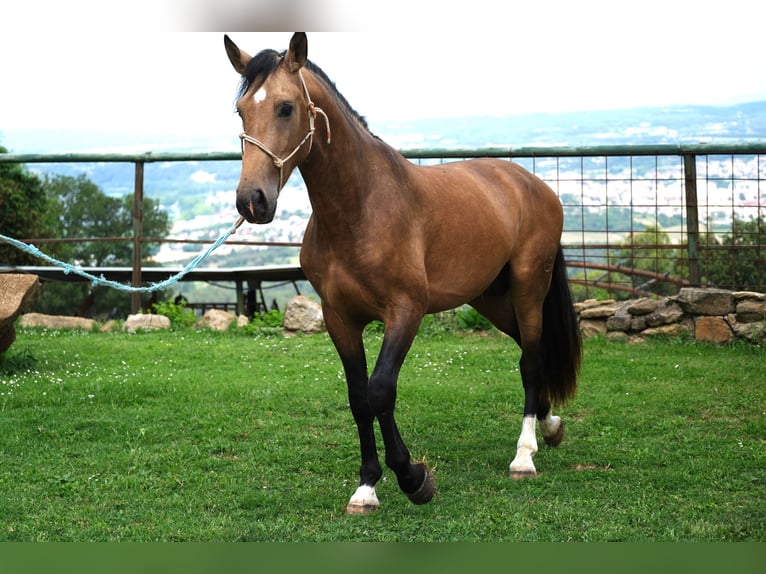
(392, 241)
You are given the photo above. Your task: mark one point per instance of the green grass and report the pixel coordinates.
(208, 436)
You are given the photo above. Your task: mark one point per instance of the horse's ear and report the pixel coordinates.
(237, 57)
(297, 54)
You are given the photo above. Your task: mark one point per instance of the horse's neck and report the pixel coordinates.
(340, 174)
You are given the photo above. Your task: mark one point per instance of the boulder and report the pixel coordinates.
(56, 322)
(742, 295)
(591, 303)
(672, 331)
(697, 301)
(303, 314)
(643, 306)
(664, 314)
(217, 320)
(712, 330)
(145, 322)
(16, 293)
(619, 322)
(753, 332)
(603, 311)
(592, 327)
(750, 311)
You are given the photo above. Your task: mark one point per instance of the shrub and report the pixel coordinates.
(178, 314)
(469, 319)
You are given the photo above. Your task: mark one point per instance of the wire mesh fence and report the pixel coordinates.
(638, 220)
(647, 221)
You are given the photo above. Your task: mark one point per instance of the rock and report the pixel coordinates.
(619, 322)
(600, 312)
(712, 330)
(664, 314)
(56, 322)
(16, 293)
(674, 330)
(217, 320)
(698, 301)
(750, 311)
(242, 321)
(146, 322)
(617, 336)
(638, 323)
(110, 326)
(754, 332)
(590, 303)
(643, 306)
(742, 295)
(303, 314)
(592, 327)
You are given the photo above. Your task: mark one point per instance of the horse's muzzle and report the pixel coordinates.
(256, 206)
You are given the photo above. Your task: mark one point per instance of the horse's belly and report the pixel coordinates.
(447, 290)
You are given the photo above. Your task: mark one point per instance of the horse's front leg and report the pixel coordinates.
(348, 342)
(415, 480)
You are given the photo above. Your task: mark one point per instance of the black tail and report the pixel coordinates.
(561, 340)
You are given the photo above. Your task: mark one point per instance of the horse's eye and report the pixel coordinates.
(285, 110)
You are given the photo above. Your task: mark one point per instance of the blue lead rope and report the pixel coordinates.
(34, 251)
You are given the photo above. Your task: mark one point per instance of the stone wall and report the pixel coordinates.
(713, 315)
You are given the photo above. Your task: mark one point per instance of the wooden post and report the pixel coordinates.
(692, 219)
(138, 232)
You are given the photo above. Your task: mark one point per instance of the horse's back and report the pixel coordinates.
(499, 195)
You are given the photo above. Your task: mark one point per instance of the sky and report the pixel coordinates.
(156, 66)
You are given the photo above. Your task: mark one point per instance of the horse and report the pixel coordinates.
(391, 241)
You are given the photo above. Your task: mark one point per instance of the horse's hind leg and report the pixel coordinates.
(524, 326)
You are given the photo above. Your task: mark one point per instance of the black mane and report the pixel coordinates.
(263, 64)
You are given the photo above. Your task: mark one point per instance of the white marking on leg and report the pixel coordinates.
(549, 426)
(363, 501)
(522, 466)
(260, 95)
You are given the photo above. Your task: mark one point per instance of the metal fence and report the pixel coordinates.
(638, 220)
(647, 220)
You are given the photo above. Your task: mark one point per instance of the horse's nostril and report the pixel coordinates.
(253, 205)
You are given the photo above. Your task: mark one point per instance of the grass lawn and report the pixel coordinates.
(202, 436)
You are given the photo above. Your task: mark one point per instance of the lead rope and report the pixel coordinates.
(278, 162)
(68, 268)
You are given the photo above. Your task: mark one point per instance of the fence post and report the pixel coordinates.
(692, 219)
(138, 227)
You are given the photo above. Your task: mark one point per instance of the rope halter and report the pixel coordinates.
(279, 163)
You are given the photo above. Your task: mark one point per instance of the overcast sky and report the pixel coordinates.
(82, 67)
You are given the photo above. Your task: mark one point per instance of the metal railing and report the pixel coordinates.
(635, 216)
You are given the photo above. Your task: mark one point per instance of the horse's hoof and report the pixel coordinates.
(426, 491)
(364, 501)
(355, 508)
(555, 439)
(523, 474)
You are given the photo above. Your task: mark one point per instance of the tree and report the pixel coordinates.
(83, 211)
(737, 260)
(24, 210)
(649, 250)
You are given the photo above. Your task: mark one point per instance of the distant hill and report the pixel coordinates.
(636, 126)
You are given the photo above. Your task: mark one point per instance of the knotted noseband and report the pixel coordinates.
(279, 163)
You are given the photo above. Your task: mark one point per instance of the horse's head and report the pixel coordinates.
(278, 123)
